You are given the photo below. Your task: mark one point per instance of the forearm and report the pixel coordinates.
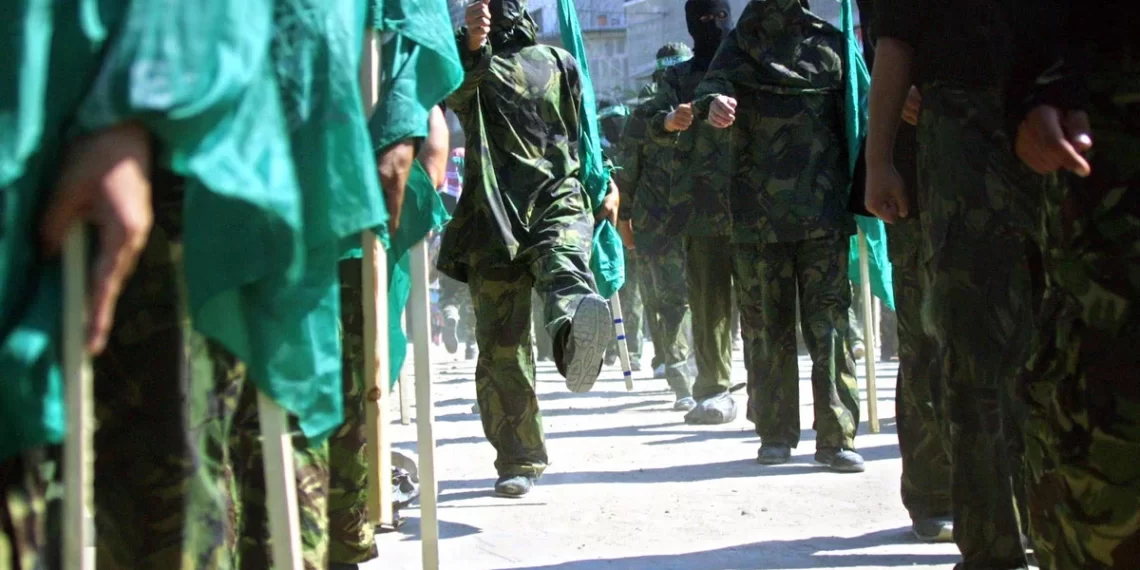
(433, 153)
(890, 84)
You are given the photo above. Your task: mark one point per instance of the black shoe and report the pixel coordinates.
(774, 454)
(840, 460)
(514, 486)
(585, 343)
(934, 529)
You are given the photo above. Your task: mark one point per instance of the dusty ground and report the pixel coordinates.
(632, 487)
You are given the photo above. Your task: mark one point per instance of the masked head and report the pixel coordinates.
(709, 21)
(511, 23)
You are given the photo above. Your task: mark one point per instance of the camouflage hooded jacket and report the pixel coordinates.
(789, 165)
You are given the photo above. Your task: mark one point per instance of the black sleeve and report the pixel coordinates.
(1052, 55)
(899, 19)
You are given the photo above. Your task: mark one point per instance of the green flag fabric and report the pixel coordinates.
(420, 67)
(192, 73)
(855, 111)
(607, 259)
(423, 213)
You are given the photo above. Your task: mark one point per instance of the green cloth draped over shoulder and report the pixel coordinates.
(420, 67)
(607, 259)
(282, 320)
(856, 92)
(192, 73)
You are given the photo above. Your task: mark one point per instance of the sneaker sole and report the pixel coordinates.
(590, 333)
(843, 468)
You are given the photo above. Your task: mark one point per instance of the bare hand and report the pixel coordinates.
(610, 205)
(395, 164)
(913, 107)
(679, 119)
(104, 181)
(478, 24)
(886, 194)
(722, 113)
(625, 228)
(1049, 140)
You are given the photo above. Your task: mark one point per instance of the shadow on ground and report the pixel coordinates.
(816, 552)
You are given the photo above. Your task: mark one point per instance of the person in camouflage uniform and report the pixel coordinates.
(777, 82)
(524, 222)
(646, 169)
(698, 211)
(612, 119)
(979, 303)
(1074, 108)
(925, 481)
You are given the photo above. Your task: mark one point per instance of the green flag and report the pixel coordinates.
(421, 67)
(855, 111)
(607, 259)
(192, 73)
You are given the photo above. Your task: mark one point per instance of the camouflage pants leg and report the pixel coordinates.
(979, 310)
(633, 311)
(1083, 436)
(855, 316)
(668, 297)
(504, 374)
(543, 344)
(925, 460)
(768, 278)
(351, 536)
(23, 512)
(312, 477)
(708, 274)
(161, 471)
(649, 302)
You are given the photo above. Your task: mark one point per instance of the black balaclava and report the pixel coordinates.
(511, 25)
(707, 35)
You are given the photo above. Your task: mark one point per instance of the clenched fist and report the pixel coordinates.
(722, 112)
(478, 23)
(680, 118)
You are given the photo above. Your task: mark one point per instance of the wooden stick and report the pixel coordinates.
(420, 310)
(868, 333)
(378, 446)
(623, 347)
(405, 401)
(78, 458)
(280, 485)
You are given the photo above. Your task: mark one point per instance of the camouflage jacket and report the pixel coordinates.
(697, 203)
(789, 167)
(644, 178)
(520, 112)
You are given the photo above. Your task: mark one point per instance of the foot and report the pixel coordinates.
(840, 460)
(515, 486)
(659, 372)
(450, 332)
(585, 343)
(611, 359)
(684, 404)
(471, 352)
(774, 454)
(858, 350)
(634, 364)
(934, 529)
(717, 410)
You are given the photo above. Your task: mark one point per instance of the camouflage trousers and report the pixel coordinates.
(768, 277)
(632, 307)
(543, 344)
(24, 513)
(667, 304)
(177, 468)
(1083, 433)
(351, 535)
(505, 372)
(979, 310)
(925, 484)
(709, 277)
